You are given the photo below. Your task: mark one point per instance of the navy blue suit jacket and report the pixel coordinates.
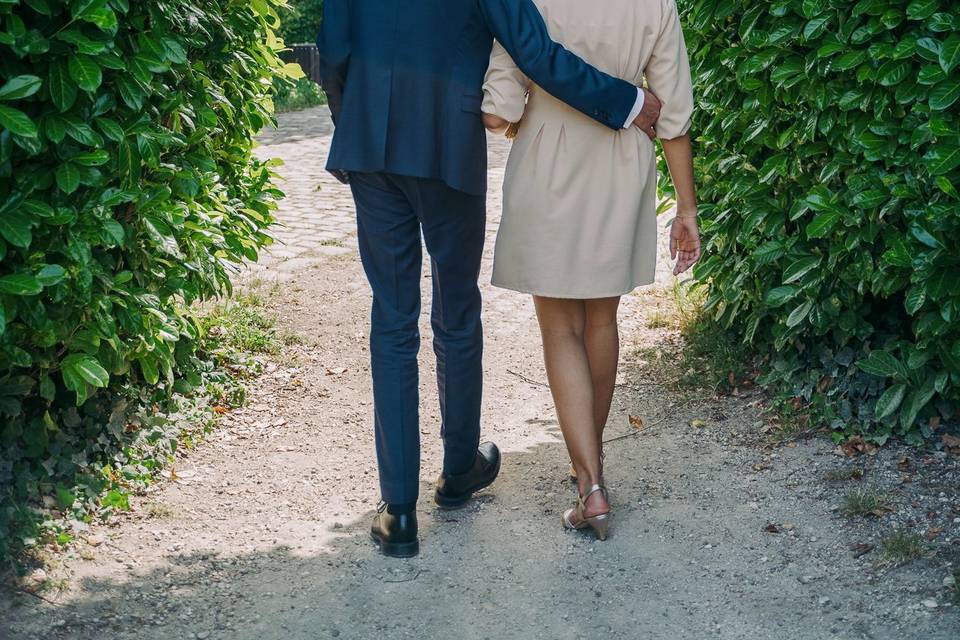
(404, 79)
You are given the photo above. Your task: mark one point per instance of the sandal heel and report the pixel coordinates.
(600, 525)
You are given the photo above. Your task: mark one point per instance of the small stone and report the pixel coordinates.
(38, 576)
(338, 525)
(949, 581)
(203, 635)
(95, 540)
(930, 603)
(823, 600)
(335, 633)
(805, 579)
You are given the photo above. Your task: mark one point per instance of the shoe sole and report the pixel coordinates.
(397, 549)
(455, 503)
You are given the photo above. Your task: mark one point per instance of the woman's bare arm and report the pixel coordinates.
(684, 234)
(679, 155)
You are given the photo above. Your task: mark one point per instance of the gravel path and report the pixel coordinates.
(263, 533)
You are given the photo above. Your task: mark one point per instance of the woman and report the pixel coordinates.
(579, 210)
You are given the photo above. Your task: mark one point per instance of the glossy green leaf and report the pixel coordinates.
(20, 87)
(86, 73)
(20, 284)
(890, 401)
(17, 122)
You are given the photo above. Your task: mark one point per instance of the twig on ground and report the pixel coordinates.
(526, 379)
(38, 596)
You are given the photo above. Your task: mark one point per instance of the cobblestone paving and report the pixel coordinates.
(318, 218)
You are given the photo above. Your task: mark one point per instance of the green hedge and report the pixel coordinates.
(301, 21)
(829, 163)
(127, 188)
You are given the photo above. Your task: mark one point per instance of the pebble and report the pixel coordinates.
(203, 635)
(930, 603)
(949, 581)
(823, 600)
(805, 579)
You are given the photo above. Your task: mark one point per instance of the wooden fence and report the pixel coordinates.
(307, 56)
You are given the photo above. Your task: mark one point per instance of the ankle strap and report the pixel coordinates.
(593, 489)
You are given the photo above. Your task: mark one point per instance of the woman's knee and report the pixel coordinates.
(601, 312)
(560, 317)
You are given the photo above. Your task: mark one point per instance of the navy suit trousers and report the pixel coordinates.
(392, 213)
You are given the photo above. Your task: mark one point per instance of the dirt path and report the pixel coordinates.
(264, 533)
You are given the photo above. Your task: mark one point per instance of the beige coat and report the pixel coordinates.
(579, 199)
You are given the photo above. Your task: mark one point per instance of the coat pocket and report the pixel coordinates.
(471, 102)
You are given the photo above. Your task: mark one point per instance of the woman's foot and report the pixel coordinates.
(592, 511)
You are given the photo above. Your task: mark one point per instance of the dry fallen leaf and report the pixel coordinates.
(904, 464)
(933, 532)
(857, 446)
(951, 442)
(636, 422)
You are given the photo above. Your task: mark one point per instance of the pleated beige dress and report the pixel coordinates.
(579, 199)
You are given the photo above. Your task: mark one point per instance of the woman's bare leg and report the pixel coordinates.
(602, 340)
(562, 325)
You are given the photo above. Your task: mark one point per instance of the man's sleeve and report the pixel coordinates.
(334, 46)
(520, 28)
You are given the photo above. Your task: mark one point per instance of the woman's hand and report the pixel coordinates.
(684, 242)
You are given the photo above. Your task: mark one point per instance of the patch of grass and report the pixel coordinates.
(864, 502)
(331, 243)
(291, 338)
(241, 325)
(157, 510)
(900, 547)
(712, 358)
(662, 319)
(837, 476)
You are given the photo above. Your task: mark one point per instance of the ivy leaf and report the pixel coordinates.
(16, 121)
(86, 368)
(20, 87)
(86, 73)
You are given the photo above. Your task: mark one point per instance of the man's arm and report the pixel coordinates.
(520, 28)
(334, 46)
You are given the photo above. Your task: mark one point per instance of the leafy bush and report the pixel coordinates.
(829, 162)
(301, 22)
(298, 95)
(127, 188)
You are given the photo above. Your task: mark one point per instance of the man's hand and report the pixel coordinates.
(647, 120)
(684, 243)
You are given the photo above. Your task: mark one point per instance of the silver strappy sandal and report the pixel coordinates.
(600, 523)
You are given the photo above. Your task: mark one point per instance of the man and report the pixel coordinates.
(404, 82)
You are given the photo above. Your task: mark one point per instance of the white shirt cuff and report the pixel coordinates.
(637, 108)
